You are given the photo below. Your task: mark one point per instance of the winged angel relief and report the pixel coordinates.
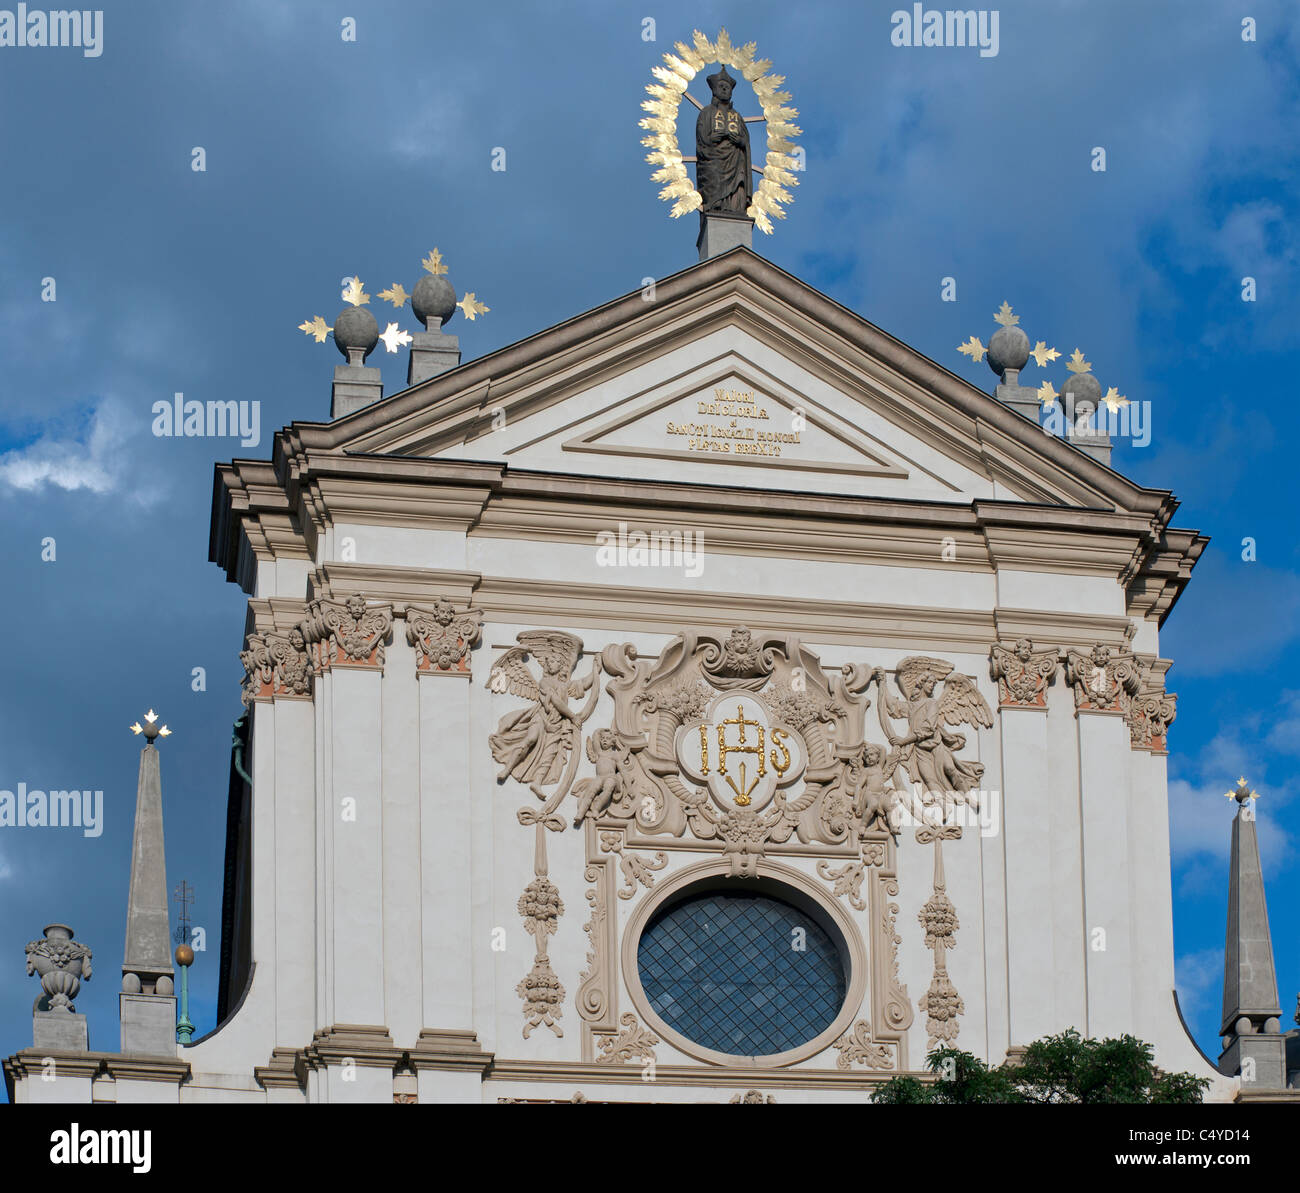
(535, 745)
(928, 749)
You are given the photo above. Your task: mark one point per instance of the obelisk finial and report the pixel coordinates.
(1253, 1045)
(148, 1005)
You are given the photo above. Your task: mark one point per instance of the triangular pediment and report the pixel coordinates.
(733, 413)
(734, 373)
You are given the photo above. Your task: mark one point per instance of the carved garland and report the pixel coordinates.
(540, 907)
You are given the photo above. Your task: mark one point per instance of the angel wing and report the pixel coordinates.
(511, 670)
(961, 703)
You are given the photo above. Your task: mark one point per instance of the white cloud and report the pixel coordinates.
(1284, 735)
(1199, 978)
(93, 459)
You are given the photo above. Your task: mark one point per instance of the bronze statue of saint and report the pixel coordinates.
(723, 165)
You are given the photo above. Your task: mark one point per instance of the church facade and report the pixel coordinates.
(709, 698)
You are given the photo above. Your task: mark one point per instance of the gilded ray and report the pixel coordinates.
(1114, 399)
(972, 348)
(1047, 393)
(396, 294)
(1076, 363)
(433, 264)
(1004, 315)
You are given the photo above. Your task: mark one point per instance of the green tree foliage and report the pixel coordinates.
(1065, 1068)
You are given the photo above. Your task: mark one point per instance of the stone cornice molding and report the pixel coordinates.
(29, 1063)
(347, 633)
(443, 637)
(365, 1045)
(987, 535)
(697, 1076)
(1023, 673)
(286, 1069)
(441, 1049)
(400, 585)
(141, 1068)
(1104, 680)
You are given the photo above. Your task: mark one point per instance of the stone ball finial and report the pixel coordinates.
(434, 298)
(355, 328)
(1008, 349)
(1081, 393)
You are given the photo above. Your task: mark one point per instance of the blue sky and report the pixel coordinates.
(327, 158)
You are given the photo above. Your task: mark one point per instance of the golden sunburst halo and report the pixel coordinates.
(661, 125)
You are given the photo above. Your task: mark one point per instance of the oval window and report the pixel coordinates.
(742, 974)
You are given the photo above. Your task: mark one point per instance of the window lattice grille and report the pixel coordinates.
(722, 970)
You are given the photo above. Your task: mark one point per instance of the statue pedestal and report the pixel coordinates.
(60, 1031)
(355, 386)
(432, 353)
(149, 1021)
(721, 233)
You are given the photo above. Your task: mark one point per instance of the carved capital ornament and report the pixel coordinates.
(1023, 673)
(351, 632)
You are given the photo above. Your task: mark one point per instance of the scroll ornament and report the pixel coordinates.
(634, 1041)
(856, 1046)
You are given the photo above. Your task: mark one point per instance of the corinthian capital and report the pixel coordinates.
(1103, 680)
(442, 637)
(1023, 673)
(349, 632)
(1151, 712)
(276, 664)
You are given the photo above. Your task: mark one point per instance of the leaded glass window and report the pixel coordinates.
(742, 974)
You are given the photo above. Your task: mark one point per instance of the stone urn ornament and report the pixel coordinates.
(62, 963)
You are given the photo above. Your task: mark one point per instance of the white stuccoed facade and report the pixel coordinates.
(918, 523)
